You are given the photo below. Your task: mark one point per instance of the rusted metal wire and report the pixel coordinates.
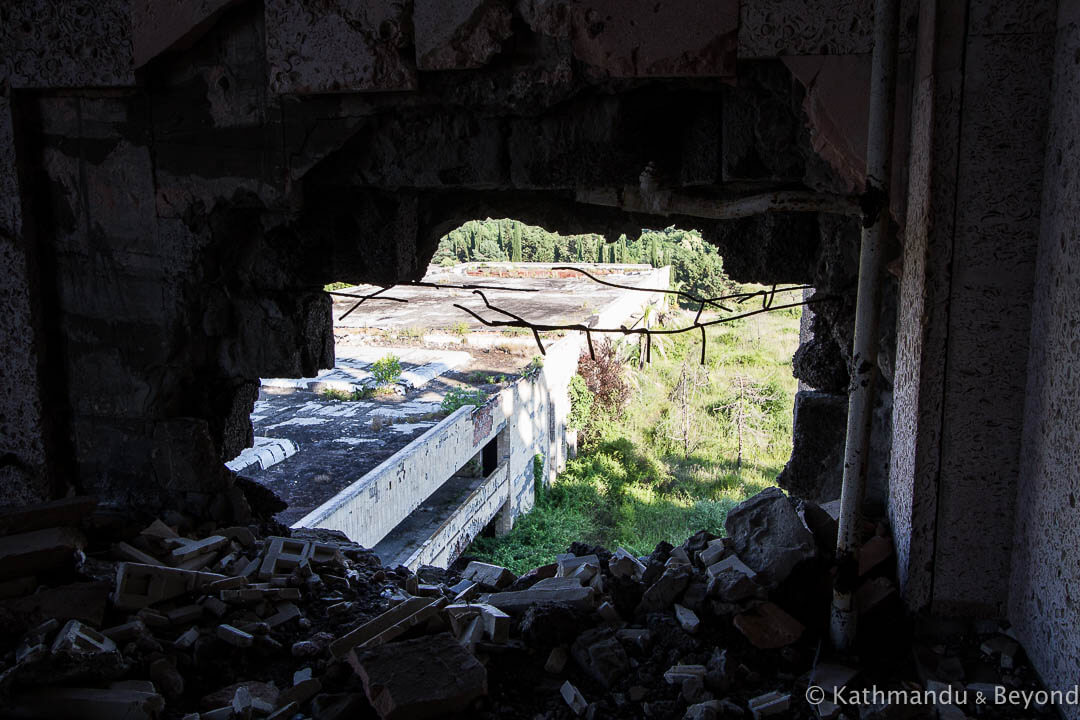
(768, 299)
(419, 283)
(768, 305)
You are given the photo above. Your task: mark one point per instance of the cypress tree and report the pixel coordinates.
(515, 244)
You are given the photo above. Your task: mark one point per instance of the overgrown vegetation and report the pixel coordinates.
(688, 444)
(696, 267)
(386, 370)
(460, 397)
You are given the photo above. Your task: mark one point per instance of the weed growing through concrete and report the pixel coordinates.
(532, 370)
(460, 397)
(386, 370)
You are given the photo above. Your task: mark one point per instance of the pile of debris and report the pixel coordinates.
(103, 623)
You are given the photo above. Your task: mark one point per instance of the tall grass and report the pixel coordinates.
(640, 480)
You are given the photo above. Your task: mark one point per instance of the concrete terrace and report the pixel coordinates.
(318, 452)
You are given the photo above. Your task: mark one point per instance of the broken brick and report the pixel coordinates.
(38, 550)
(556, 659)
(139, 586)
(667, 588)
(624, 564)
(283, 555)
(79, 638)
(453, 678)
(687, 619)
(234, 636)
(194, 548)
(769, 705)
(573, 698)
(768, 627)
(490, 575)
(388, 625)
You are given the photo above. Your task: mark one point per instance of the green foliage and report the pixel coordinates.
(460, 328)
(515, 244)
(532, 370)
(386, 370)
(634, 485)
(581, 404)
(538, 473)
(361, 394)
(696, 267)
(460, 397)
(331, 287)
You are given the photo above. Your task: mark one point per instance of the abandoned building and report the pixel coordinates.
(388, 472)
(180, 179)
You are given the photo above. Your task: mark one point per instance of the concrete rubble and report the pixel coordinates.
(251, 622)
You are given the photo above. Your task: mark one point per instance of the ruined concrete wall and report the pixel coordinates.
(368, 509)
(194, 172)
(1045, 576)
(1006, 95)
(980, 106)
(24, 471)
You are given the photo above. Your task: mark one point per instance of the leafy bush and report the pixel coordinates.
(386, 370)
(605, 377)
(532, 370)
(460, 397)
(581, 404)
(331, 287)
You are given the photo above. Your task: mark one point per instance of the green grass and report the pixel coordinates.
(637, 483)
(460, 397)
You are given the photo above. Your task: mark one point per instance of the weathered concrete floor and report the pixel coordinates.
(557, 300)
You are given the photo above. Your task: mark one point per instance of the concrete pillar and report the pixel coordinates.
(504, 521)
(24, 457)
(981, 89)
(1045, 578)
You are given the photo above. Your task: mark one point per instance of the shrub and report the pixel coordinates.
(604, 377)
(362, 393)
(532, 370)
(581, 403)
(386, 370)
(459, 397)
(538, 474)
(460, 328)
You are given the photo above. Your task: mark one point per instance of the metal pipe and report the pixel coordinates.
(865, 349)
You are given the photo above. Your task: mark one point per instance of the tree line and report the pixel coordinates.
(696, 267)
